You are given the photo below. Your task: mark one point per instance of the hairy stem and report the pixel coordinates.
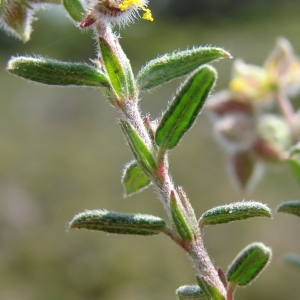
(161, 178)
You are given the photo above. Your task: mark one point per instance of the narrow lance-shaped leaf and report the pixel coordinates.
(118, 69)
(248, 264)
(113, 68)
(134, 179)
(189, 210)
(139, 149)
(170, 66)
(54, 72)
(208, 289)
(290, 207)
(120, 223)
(185, 107)
(234, 212)
(189, 292)
(179, 219)
(74, 9)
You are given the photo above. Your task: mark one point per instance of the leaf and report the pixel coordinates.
(118, 69)
(234, 212)
(139, 149)
(295, 166)
(248, 264)
(189, 211)
(120, 223)
(290, 207)
(189, 292)
(74, 9)
(54, 72)
(134, 179)
(294, 160)
(179, 220)
(208, 289)
(292, 259)
(185, 107)
(177, 64)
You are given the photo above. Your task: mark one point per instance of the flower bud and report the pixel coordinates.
(274, 138)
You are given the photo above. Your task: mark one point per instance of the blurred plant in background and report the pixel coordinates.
(243, 118)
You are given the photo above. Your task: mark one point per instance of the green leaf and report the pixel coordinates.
(189, 292)
(248, 264)
(295, 166)
(189, 211)
(294, 160)
(54, 72)
(292, 259)
(134, 179)
(118, 69)
(120, 223)
(179, 220)
(234, 212)
(113, 68)
(290, 207)
(139, 149)
(185, 107)
(74, 9)
(208, 289)
(177, 64)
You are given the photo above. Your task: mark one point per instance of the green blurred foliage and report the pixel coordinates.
(61, 152)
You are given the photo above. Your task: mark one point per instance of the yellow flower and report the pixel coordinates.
(250, 81)
(280, 73)
(139, 3)
(283, 67)
(119, 12)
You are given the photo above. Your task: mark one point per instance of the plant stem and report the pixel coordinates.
(161, 178)
(288, 113)
(204, 265)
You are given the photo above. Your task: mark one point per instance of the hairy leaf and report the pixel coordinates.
(170, 66)
(74, 9)
(118, 70)
(189, 292)
(290, 207)
(134, 179)
(185, 107)
(139, 149)
(115, 222)
(54, 72)
(209, 290)
(248, 264)
(182, 226)
(234, 212)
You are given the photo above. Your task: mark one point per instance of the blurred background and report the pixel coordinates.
(61, 152)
